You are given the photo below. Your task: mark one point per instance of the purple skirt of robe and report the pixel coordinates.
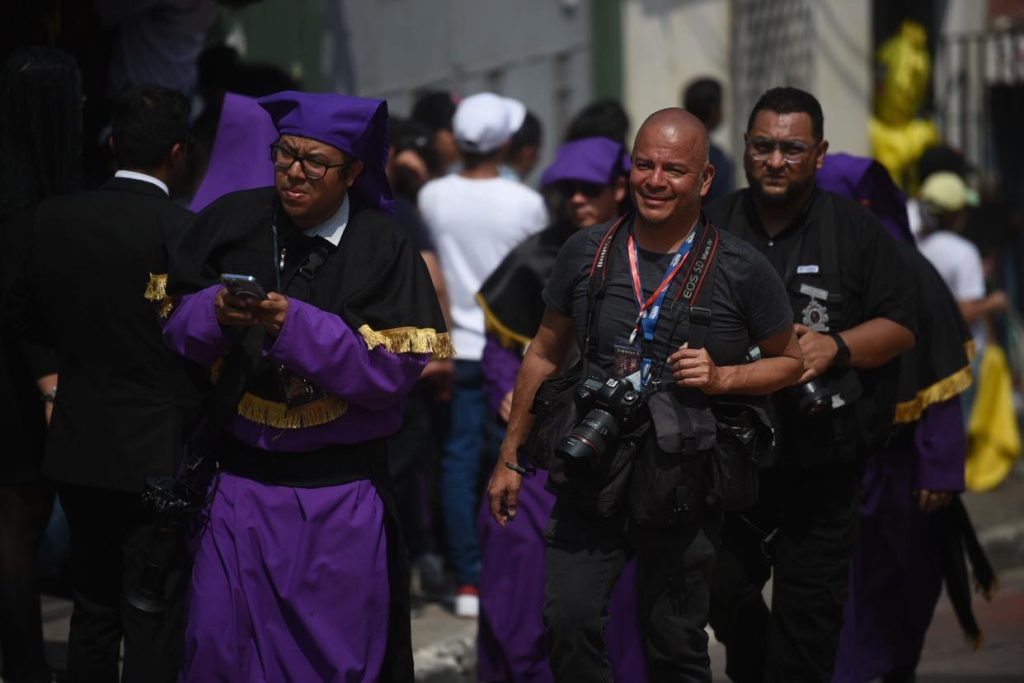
(895, 581)
(510, 644)
(289, 584)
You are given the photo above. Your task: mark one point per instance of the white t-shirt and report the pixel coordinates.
(476, 223)
(959, 264)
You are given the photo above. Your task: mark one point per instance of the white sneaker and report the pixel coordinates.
(467, 602)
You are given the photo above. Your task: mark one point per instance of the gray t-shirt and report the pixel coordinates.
(748, 302)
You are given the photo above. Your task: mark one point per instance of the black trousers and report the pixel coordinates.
(814, 516)
(110, 531)
(584, 559)
(24, 512)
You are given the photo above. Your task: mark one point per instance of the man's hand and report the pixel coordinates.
(930, 501)
(694, 368)
(271, 312)
(505, 409)
(233, 310)
(819, 351)
(503, 491)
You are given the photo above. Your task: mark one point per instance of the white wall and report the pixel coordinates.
(669, 42)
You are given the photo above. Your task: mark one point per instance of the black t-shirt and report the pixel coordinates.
(875, 282)
(748, 302)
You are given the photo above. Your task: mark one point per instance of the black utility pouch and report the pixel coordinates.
(602, 489)
(746, 441)
(668, 484)
(555, 413)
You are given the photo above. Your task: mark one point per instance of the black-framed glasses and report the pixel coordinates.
(588, 190)
(283, 158)
(793, 151)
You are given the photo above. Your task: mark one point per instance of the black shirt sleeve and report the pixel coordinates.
(572, 264)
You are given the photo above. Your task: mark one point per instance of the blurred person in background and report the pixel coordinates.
(476, 218)
(435, 110)
(589, 175)
(524, 147)
(40, 157)
(126, 403)
(897, 570)
(603, 118)
(703, 98)
(414, 451)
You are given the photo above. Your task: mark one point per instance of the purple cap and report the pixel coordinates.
(866, 181)
(240, 159)
(589, 160)
(357, 126)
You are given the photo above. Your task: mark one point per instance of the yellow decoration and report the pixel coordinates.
(505, 336)
(156, 291)
(276, 414)
(897, 139)
(993, 438)
(410, 340)
(943, 390)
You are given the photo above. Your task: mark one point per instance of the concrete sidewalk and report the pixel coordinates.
(445, 648)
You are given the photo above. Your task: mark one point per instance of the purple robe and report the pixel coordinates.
(895, 579)
(240, 158)
(292, 583)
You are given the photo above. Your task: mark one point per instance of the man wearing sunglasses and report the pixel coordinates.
(852, 304)
(299, 574)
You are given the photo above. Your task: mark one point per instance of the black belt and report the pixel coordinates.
(328, 466)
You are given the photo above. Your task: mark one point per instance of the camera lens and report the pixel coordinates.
(815, 398)
(590, 438)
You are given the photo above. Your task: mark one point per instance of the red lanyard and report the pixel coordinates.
(646, 309)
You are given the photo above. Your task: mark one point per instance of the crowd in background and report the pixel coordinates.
(456, 168)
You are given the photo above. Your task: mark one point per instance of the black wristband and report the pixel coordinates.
(842, 358)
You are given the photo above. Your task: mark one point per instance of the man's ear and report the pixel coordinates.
(819, 160)
(705, 179)
(352, 172)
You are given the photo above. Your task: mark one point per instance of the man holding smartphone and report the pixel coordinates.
(299, 572)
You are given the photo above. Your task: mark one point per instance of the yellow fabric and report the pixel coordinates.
(276, 414)
(506, 337)
(993, 435)
(410, 340)
(943, 390)
(156, 291)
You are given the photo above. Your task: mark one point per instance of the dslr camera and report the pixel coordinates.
(609, 408)
(174, 501)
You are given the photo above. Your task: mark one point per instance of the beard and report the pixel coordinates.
(795, 190)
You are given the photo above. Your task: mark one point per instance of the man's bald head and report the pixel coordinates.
(681, 125)
(670, 173)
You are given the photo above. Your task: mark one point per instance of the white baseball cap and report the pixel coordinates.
(485, 121)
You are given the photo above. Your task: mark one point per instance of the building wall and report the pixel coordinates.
(669, 42)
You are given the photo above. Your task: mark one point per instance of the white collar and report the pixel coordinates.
(332, 228)
(135, 175)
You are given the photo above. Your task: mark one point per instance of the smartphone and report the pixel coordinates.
(243, 286)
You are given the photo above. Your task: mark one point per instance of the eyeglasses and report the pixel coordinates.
(793, 151)
(588, 190)
(283, 158)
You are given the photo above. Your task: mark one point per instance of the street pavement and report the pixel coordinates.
(445, 650)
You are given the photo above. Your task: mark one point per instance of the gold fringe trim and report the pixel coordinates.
(410, 340)
(943, 390)
(506, 337)
(275, 414)
(156, 291)
(970, 349)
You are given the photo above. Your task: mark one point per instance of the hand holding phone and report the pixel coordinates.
(244, 287)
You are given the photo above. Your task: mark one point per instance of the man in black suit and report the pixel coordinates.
(125, 401)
